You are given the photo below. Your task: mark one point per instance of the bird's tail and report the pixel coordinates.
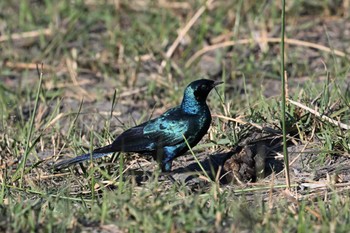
(98, 153)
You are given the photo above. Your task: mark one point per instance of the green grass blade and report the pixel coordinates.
(283, 118)
(31, 126)
(195, 157)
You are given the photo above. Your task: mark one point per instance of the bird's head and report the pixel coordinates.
(196, 94)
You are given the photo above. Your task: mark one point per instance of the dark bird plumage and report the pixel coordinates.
(163, 137)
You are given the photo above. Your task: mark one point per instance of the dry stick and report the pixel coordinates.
(295, 159)
(300, 153)
(23, 35)
(260, 40)
(184, 31)
(337, 123)
(238, 120)
(174, 5)
(26, 66)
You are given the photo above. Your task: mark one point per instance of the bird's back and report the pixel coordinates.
(165, 130)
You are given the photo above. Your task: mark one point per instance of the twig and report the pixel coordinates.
(26, 66)
(184, 31)
(23, 35)
(337, 123)
(174, 5)
(238, 120)
(261, 40)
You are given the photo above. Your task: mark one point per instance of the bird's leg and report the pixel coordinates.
(168, 174)
(166, 165)
(165, 160)
(171, 178)
(169, 153)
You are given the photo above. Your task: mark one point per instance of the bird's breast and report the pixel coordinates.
(198, 127)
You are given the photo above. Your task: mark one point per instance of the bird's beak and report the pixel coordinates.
(217, 83)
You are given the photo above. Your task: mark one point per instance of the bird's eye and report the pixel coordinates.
(201, 92)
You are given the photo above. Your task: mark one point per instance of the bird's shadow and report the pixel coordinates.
(210, 166)
(189, 173)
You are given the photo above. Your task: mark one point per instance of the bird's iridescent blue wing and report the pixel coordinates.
(134, 140)
(169, 128)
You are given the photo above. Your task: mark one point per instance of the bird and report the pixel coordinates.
(165, 137)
